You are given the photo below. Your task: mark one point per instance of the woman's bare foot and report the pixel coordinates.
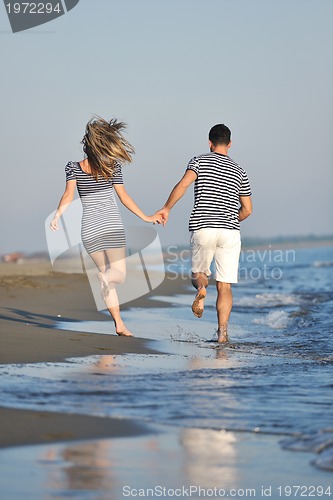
(122, 331)
(125, 333)
(198, 303)
(222, 334)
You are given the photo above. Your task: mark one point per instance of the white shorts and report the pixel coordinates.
(222, 245)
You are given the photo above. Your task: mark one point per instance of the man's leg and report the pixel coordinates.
(223, 308)
(227, 261)
(203, 244)
(200, 282)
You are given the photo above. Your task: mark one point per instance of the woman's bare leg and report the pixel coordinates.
(116, 274)
(112, 271)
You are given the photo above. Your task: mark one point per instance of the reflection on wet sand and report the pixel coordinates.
(201, 457)
(172, 458)
(187, 456)
(83, 467)
(191, 456)
(209, 457)
(106, 363)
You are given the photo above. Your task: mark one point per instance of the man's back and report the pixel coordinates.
(222, 198)
(219, 184)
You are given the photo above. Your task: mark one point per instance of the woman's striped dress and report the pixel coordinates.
(101, 227)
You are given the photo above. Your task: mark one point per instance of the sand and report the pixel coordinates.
(169, 463)
(33, 297)
(22, 427)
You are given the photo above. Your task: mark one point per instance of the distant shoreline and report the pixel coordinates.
(31, 265)
(283, 244)
(275, 242)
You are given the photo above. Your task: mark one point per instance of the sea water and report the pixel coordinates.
(275, 377)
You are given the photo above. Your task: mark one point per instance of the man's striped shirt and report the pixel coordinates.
(219, 184)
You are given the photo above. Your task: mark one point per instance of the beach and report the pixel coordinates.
(33, 297)
(100, 416)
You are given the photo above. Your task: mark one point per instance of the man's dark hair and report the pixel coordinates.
(220, 134)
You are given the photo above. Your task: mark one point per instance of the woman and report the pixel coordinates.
(102, 231)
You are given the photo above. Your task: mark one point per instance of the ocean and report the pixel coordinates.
(275, 377)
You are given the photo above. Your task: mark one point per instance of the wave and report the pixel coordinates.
(269, 300)
(275, 319)
(320, 443)
(322, 263)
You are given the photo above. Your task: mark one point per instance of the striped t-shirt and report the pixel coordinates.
(219, 184)
(87, 186)
(101, 225)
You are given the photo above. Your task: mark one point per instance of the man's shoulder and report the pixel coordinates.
(235, 164)
(202, 159)
(203, 156)
(216, 158)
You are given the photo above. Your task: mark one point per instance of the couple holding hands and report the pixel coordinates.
(222, 198)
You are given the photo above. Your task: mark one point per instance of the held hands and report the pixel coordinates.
(160, 217)
(163, 215)
(155, 219)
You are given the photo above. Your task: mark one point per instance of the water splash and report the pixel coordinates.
(278, 320)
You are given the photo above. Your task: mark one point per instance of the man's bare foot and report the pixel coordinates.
(105, 290)
(198, 303)
(222, 334)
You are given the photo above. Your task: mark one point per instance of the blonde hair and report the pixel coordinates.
(104, 144)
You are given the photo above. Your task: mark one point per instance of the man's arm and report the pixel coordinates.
(178, 192)
(245, 208)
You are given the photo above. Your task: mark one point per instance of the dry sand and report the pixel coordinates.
(33, 298)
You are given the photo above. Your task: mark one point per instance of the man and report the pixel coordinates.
(222, 198)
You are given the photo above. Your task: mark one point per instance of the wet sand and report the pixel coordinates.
(172, 462)
(25, 427)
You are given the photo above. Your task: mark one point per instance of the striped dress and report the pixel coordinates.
(101, 226)
(219, 184)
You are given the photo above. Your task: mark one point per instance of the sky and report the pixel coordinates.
(171, 70)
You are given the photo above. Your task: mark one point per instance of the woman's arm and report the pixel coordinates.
(65, 200)
(130, 204)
